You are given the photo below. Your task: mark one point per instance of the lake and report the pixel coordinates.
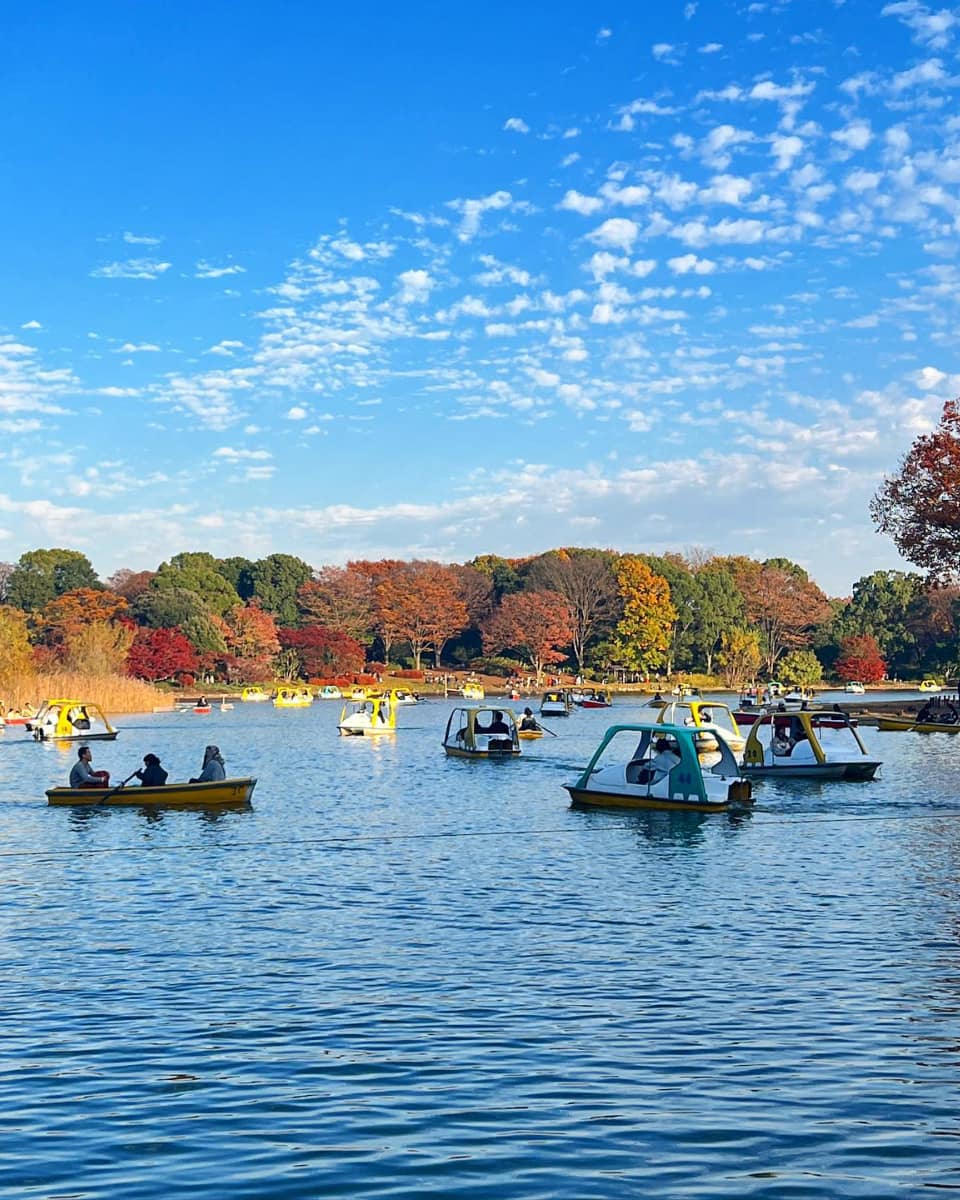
(401, 975)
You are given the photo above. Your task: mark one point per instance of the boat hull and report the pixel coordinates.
(827, 770)
(530, 734)
(891, 724)
(42, 735)
(588, 798)
(225, 793)
(460, 752)
(595, 704)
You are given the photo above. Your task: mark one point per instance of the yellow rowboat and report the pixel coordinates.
(892, 724)
(529, 734)
(225, 793)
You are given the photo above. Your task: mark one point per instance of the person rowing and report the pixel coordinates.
(529, 723)
(151, 774)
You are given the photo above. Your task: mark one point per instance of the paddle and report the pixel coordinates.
(550, 731)
(113, 791)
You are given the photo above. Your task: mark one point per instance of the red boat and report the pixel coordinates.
(592, 699)
(202, 708)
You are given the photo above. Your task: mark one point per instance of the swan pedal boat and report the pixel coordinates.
(224, 793)
(374, 715)
(472, 691)
(254, 695)
(635, 782)
(291, 697)
(902, 725)
(929, 685)
(467, 734)
(854, 689)
(71, 721)
(814, 748)
(706, 718)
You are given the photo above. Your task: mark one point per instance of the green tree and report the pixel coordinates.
(801, 668)
(884, 605)
(42, 575)
(739, 657)
(238, 572)
(502, 573)
(719, 612)
(686, 598)
(276, 580)
(197, 572)
(179, 608)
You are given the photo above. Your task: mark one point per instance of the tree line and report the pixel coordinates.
(593, 611)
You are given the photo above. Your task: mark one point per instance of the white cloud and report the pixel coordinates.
(228, 452)
(415, 286)
(785, 148)
(296, 413)
(718, 143)
(930, 377)
(574, 201)
(134, 239)
(779, 93)
(710, 48)
(31, 325)
(666, 52)
(862, 181)
(688, 263)
(132, 268)
(225, 348)
(137, 348)
(516, 125)
(855, 136)
(204, 270)
(472, 211)
(930, 71)
(617, 232)
(933, 29)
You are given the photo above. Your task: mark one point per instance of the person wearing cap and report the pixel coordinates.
(213, 767)
(151, 774)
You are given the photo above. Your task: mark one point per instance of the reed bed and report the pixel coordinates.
(114, 693)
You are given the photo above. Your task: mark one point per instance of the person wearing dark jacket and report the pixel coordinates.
(152, 774)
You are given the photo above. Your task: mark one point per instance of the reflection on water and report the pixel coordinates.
(402, 974)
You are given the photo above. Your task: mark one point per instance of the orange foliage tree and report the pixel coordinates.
(421, 604)
(642, 635)
(252, 639)
(340, 598)
(535, 623)
(62, 619)
(782, 602)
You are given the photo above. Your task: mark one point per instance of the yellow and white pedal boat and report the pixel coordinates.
(254, 695)
(706, 718)
(293, 697)
(71, 721)
(372, 716)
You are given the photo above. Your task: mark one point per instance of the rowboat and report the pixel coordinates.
(71, 721)
(595, 699)
(225, 793)
(202, 708)
(657, 767)
(904, 725)
(481, 733)
(529, 735)
(801, 745)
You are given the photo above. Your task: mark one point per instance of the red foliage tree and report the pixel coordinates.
(535, 623)
(161, 654)
(323, 651)
(919, 506)
(129, 584)
(860, 659)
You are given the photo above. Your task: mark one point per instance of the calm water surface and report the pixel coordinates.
(403, 975)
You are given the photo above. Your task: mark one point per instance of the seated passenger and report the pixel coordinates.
(782, 742)
(497, 725)
(528, 722)
(151, 774)
(83, 775)
(213, 767)
(663, 761)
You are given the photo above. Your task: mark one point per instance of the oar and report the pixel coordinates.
(550, 731)
(113, 791)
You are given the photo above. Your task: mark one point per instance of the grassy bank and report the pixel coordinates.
(114, 693)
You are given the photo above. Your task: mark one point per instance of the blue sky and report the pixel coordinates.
(434, 283)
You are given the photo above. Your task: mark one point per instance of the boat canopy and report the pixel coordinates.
(482, 731)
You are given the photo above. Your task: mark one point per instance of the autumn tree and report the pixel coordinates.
(62, 619)
(536, 624)
(642, 635)
(783, 603)
(42, 575)
(323, 652)
(161, 654)
(252, 639)
(585, 579)
(919, 506)
(15, 651)
(99, 647)
(739, 657)
(129, 584)
(339, 598)
(860, 659)
(422, 605)
(376, 572)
